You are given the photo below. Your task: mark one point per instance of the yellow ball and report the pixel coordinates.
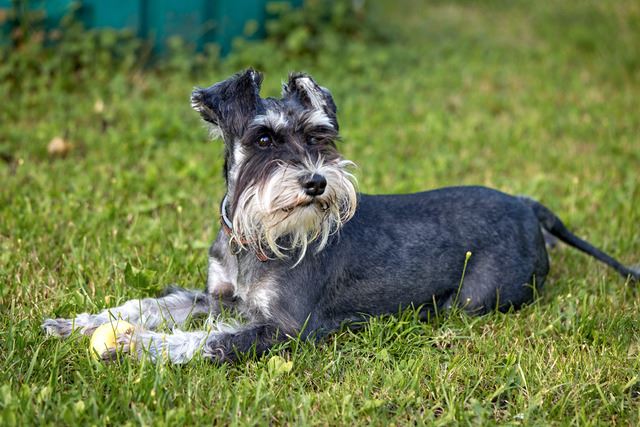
(104, 337)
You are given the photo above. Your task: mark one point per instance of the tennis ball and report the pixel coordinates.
(104, 337)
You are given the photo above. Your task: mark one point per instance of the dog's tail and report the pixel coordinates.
(552, 224)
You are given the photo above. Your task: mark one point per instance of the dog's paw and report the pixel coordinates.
(60, 328)
(63, 328)
(213, 352)
(219, 350)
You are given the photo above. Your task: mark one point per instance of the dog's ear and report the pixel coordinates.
(229, 105)
(311, 95)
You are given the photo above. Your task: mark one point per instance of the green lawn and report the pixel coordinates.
(540, 98)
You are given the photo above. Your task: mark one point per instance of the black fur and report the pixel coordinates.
(231, 103)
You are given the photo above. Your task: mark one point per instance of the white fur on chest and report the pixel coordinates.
(257, 298)
(256, 295)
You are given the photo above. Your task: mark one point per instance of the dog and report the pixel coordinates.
(301, 253)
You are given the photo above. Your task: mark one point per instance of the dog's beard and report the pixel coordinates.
(277, 215)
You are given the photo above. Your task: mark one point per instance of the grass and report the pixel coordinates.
(537, 98)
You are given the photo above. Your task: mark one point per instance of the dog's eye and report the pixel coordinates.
(314, 140)
(264, 141)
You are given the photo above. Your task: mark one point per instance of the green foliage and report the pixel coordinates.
(66, 56)
(314, 35)
(320, 26)
(70, 54)
(532, 98)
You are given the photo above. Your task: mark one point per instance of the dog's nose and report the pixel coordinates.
(315, 185)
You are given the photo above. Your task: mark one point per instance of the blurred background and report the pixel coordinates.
(197, 22)
(110, 187)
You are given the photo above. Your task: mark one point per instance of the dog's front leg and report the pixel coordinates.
(221, 343)
(174, 308)
(252, 338)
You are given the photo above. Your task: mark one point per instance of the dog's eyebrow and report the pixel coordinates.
(276, 120)
(318, 125)
(316, 118)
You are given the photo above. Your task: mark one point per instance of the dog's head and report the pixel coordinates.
(287, 184)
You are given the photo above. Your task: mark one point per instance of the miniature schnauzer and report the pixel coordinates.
(301, 253)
